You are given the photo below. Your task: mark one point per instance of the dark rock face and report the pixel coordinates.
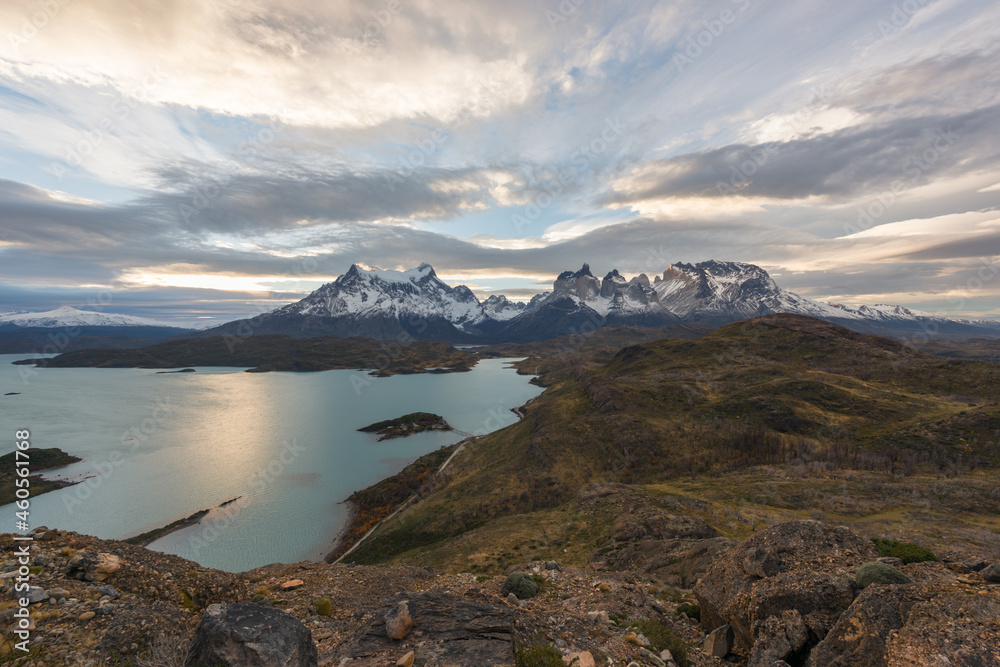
(251, 635)
(452, 630)
(803, 567)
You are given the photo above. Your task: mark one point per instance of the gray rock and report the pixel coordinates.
(891, 560)
(719, 642)
(652, 657)
(110, 591)
(552, 565)
(991, 573)
(398, 621)
(251, 635)
(780, 638)
(801, 565)
(599, 617)
(511, 598)
(35, 594)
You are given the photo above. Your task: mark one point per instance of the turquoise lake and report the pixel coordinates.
(158, 447)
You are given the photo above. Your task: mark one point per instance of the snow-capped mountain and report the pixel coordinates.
(579, 303)
(500, 308)
(385, 305)
(68, 317)
(417, 305)
(417, 293)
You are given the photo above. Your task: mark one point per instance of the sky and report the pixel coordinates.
(205, 160)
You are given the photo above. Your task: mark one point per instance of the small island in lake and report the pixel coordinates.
(400, 427)
(39, 459)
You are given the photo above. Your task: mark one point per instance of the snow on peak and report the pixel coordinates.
(67, 316)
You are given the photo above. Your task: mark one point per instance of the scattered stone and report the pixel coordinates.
(90, 566)
(652, 657)
(599, 617)
(110, 591)
(398, 621)
(719, 642)
(292, 584)
(17, 626)
(87, 615)
(991, 574)
(552, 565)
(251, 635)
(406, 660)
(511, 598)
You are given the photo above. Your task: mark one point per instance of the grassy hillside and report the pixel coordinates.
(803, 399)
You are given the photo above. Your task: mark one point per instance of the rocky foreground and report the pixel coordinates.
(800, 593)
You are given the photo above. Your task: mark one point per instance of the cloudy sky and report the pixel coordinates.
(193, 159)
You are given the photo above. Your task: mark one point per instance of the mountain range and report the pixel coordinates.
(417, 305)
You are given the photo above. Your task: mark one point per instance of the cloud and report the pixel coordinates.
(176, 149)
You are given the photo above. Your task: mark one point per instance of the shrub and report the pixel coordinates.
(905, 551)
(661, 637)
(538, 655)
(879, 573)
(323, 606)
(520, 584)
(692, 611)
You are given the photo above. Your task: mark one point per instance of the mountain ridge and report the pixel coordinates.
(416, 304)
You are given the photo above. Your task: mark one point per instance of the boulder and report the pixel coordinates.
(802, 566)
(991, 573)
(91, 566)
(34, 594)
(251, 635)
(398, 621)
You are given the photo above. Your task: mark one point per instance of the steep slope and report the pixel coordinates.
(781, 390)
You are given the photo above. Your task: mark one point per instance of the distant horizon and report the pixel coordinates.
(278, 302)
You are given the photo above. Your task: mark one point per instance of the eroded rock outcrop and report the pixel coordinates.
(897, 625)
(783, 588)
